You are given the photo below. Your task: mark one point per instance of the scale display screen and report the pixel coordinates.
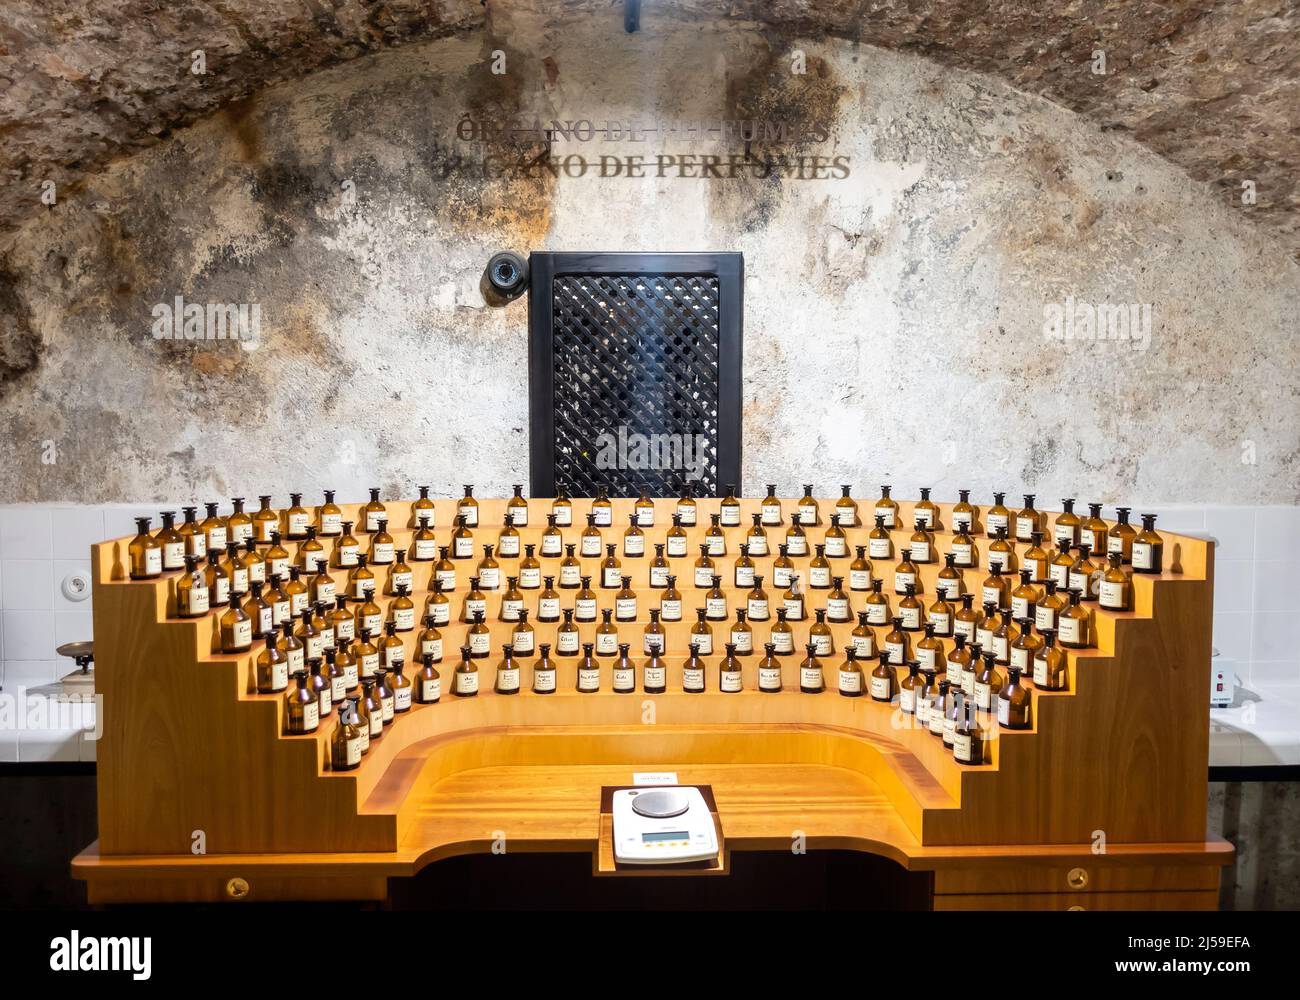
(651, 838)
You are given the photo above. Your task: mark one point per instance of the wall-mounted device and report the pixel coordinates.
(657, 826)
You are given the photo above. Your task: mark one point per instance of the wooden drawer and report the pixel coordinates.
(1193, 900)
(1080, 878)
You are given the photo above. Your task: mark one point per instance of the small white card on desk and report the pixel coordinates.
(654, 777)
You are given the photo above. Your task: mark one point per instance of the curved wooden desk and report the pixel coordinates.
(1100, 805)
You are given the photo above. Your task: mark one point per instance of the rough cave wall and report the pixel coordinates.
(894, 317)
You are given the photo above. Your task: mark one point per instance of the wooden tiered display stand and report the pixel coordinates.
(1101, 805)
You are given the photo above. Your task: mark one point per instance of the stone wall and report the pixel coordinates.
(894, 315)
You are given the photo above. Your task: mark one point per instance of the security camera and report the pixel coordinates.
(505, 278)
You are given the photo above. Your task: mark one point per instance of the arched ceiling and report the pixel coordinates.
(1211, 85)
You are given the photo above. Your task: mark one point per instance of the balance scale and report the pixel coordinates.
(670, 825)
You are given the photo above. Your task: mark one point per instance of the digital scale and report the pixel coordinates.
(668, 825)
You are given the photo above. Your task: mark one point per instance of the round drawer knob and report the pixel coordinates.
(237, 888)
(1077, 878)
(1076, 908)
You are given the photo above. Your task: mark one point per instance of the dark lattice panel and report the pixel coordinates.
(638, 352)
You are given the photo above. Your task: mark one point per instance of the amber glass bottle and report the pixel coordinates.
(810, 672)
(1148, 548)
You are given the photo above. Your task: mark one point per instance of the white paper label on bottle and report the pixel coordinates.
(715, 607)
(781, 576)
(730, 682)
(729, 515)
(894, 653)
(310, 716)
(508, 679)
(489, 578)
(964, 627)
(1112, 596)
(265, 617)
(907, 700)
(984, 634)
(198, 602)
(743, 640)
(949, 730)
(280, 611)
(624, 679)
(338, 688)
(524, 642)
(659, 576)
(153, 561)
(530, 578)
(837, 609)
(1021, 607)
(1142, 555)
(1004, 711)
(864, 645)
(470, 513)
(552, 545)
(566, 642)
(325, 590)
(771, 513)
(703, 643)
(376, 720)
(878, 614)
(570, 575)
(243, 633)
(822, 644)
(1025, 527)
(796, 545)
(983, 695)
(589, 679)
(955, 673)
(606, 643)
(326, 696)
(810, 677)
(625, 609)
(963, 554)
(819, 576)
(463, 547)
(441, 612)
(216, 537)
(584, 609)
(466, 683)
(927, 657)
(348, 554)
(757, 609)
(880, 548)
(480, 642)
(173, 555)
(717, 545)
(999, 559)
(1063, 533)
(314, 647)
(887, 513)
(563, 515)
(942, 623)
(1060, 575)
(851, 682)
(404, 619)
(548, 608)
(645, 517)
(653, 642)
(611, 576)
(920, 551)
(544, 680)
(676, 546)
(924, 704)
(256, 572)
(991, 594)
(655, 677)
(859, 579)
(744, 576)
(591, 546)
(769, 678)
(757, 544)
(634, 545)
(1020, 658)
(374, 624)
(903, 580)
(962, 520)
(670, 611)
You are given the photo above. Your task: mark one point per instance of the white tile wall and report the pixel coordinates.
(1256, 598)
